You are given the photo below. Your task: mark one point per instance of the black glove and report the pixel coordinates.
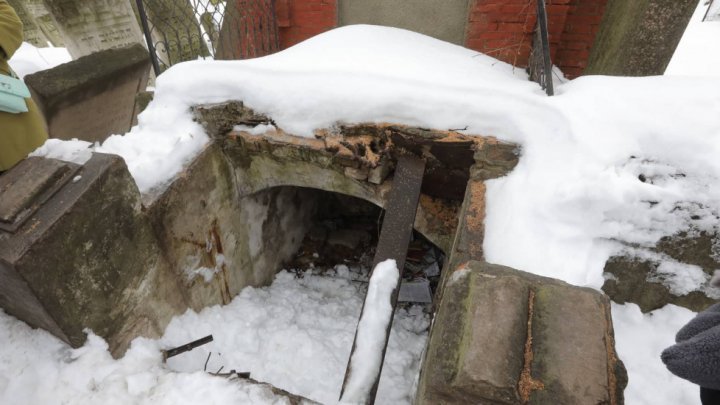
(696, 355)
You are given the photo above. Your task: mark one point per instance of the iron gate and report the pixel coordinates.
(182, 30)
(540, 65)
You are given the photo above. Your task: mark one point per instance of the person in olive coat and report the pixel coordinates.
(20, 133)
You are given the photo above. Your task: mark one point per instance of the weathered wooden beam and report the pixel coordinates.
(393, 244)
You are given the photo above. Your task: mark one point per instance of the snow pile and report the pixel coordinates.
(370, 338)
(698, 53)
(296, 334)
(639, 340)
(28, 59)
(355, 74)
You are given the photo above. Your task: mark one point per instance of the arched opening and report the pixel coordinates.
(344, 231)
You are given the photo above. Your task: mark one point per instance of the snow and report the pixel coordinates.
(698, 53)
(608, 163)
(371, 330)
(713, 13)
(295, 334)
(639, 340)
(28, 59)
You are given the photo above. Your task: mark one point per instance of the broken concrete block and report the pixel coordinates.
(503, 336)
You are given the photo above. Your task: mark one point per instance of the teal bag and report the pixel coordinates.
(13, 93)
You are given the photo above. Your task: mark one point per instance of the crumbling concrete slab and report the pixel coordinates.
(503, 336)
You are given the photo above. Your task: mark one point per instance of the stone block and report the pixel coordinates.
(92, 97)
(26, 187)
(87, 258)
(638, 38)
(503, 336)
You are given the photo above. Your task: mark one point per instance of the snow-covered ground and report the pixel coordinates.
(28, 59)
(698, 53)
(574, 199)
(295, 334)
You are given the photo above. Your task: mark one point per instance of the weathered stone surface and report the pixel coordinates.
(27, 186)
(88, 259)
(41, 15)
(88, 26)
(92, 97)
(31, 32)
(442, 19)
(203, 223)
(334, 159)
(639, 37)
(502, 336)
(635, 279)
(573, 347)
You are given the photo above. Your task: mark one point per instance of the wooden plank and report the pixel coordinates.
(394, 239)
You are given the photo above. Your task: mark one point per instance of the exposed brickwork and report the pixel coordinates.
(503, 29)
(581, 26)
(301, 19)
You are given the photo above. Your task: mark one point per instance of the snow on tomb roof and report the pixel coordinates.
(357, 73)
(582, 150)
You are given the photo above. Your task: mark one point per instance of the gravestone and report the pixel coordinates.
(41, 15)
(92, 97)
(88, 26)
(639, 37)
(31, 32)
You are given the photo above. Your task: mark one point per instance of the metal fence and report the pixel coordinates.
(540, 65)
(181, 30)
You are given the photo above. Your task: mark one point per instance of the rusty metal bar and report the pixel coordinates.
(394, 241)
(186, 347)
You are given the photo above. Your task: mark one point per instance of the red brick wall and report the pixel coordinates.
(299, 20)
(581, 27)
(503, 29)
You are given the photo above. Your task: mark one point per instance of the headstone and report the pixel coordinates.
(39, 11)
(639, 37)
(442, 19)
(89, 26)
(31, 32)
(92, 97)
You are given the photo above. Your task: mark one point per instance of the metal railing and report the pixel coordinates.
(182, 30)
(540, 65)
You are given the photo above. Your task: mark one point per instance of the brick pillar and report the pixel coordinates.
(299, 20)
(503, 29)
(581, 26)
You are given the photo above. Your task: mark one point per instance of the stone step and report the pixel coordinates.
(503, 336)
